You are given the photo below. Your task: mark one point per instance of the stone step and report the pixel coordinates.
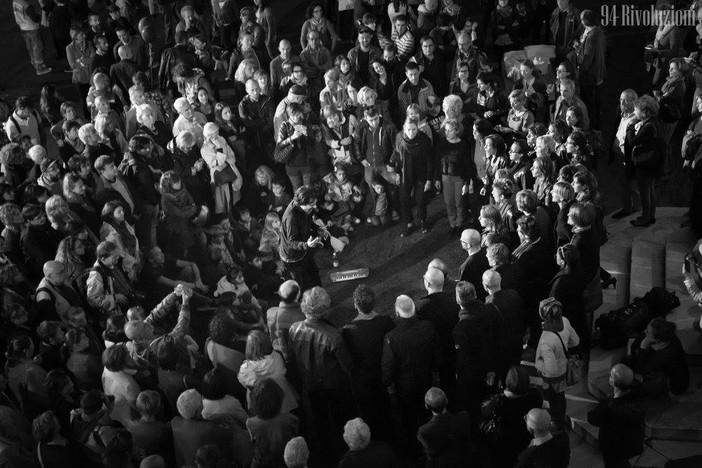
(647, 266)
(669, 449)
(578, 404)
(601, 362)
(675, 421)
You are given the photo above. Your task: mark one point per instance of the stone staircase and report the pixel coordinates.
(641, 259)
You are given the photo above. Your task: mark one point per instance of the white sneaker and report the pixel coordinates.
(44, 71)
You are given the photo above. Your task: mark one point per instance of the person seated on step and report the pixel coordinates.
(693, 278)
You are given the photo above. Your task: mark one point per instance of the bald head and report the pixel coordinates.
(436, 400)
(404, 306)
(539, 421)
(626, 100)
(492, 281)
(289, 291)
(124, 53)
(434, 279)
(621, 377)
(52, 267)
(439, 265)
(470, 238)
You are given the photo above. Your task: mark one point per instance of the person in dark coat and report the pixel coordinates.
(474, 337)
(412, 162)
(411, 357)
(537, 262)
(512, 319)
(446, 436)
(439, 307)
(362, 452)
(364, 338)
(511, 273)
(150, 435)
(320, 366)
(620, 419)
(546, 449)
(567, 288)
(509, 408)
(644, 146)
(472, 268)
(658, 356)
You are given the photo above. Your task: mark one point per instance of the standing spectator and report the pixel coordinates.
(316, 60)
(118, 382)
(294, 138)
(363, 54)
(620, 419)
(411, 356)
(220, 158)
(317, 21)
(364, 338)
(666, 43)
(545, 449)
(320, 361)
(80, 55)
(281, 318)
(414, 90)
(29, 21)
(551, 361)
(565, 26)
(362, 452)
(402, 38)
(266, 18)
(413, 167)
(592, 71)
(445, 437)
(152, 436)
(625, 117)
(671, 99)
(269, 426)
(644, 145)
(277, 71)
(471, 270)
(256, 113)
(24, 121)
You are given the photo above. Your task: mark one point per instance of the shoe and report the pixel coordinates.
(621, 214)
(638, 222)
(355, 220)
(424, 226)
(407, 232)
(395, 216)
(369, 220)
(612, 281)
(44, 71)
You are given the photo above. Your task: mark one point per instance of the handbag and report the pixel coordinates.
(282, 153)
(224, 176)
(574, 367)
(491, 429)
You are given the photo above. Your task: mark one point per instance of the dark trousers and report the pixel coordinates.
(305, 272)
(326, 413)
(374, 407)
(647, 190)
(406, 200)
(557, 403)
(615, 461)
(590, 95)
(412, 415)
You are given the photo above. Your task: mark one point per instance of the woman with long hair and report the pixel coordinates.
(179, 210)
(579, 150)
(263, 362)
(671, 98)
(557, 337)
(490, 101)
(534, 86)
(231, 129)
(496, 158)
(567, 288)
(117, 230)
(266, 18)
(490, 220)
(544, 176)
(70, 252)
(75, 194)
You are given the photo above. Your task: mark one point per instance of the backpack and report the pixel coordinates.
(617, 326)
(660, 301)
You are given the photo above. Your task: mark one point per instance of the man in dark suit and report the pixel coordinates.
(474, 337)
(411, 357)
(472, 268)
(121, 72)
(545, 449)
(446, 437)
(512, 316)
(439, 307)
(620, 419)
(592, 69)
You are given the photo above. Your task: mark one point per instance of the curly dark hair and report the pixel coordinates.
(364, 298)
(223, 328)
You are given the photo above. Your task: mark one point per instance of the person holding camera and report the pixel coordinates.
(299, 234)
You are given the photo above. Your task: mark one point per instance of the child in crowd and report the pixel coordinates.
(376, 208)
(279, 199)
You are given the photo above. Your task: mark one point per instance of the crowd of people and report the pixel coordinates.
(161, 303)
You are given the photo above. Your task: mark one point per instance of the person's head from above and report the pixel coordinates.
(588, 18)
(566, 88)
(357, 434)
(495, 145)
(551, 312)
(544, 146)
(258, 345)
(214, 384)
(660, 331)
(296, 453)
(389, 53)
(253, 91)
(435, 400)
(482, 128)
(497, 255)
(627, 99)
(285, 49)
(113, 212)
(183, 107)
(211, 133)
(116, 357)
(581, 215)
(492, 281)
(428, 46)
(136, 313)
(139, 331)
(313, 40)
(148, 404)
(646, 107)
(517, 100)
(563, 4)
(517, 381)
(527, 230)
(438, 264)
(433, 280)
(289, 292)
(306, 199)
(189, 404)
(564, 70)
(527, 201)
(247, 15)
(55, 272)
(412, 73)
(490, 219)
(88, 135)
(298, 73)
(108, 253)
(451, 129)
(675, 68)
(621, 377)
(266, 398)
(518, 150)
(465, 294)
(94, 21)
(296, 113)
(465, 42)
(538, 420)
(45, 427)
(371, 116)
(526, 69)
(404, 306)
(363, 299)
(316, 303)
(187, 13)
